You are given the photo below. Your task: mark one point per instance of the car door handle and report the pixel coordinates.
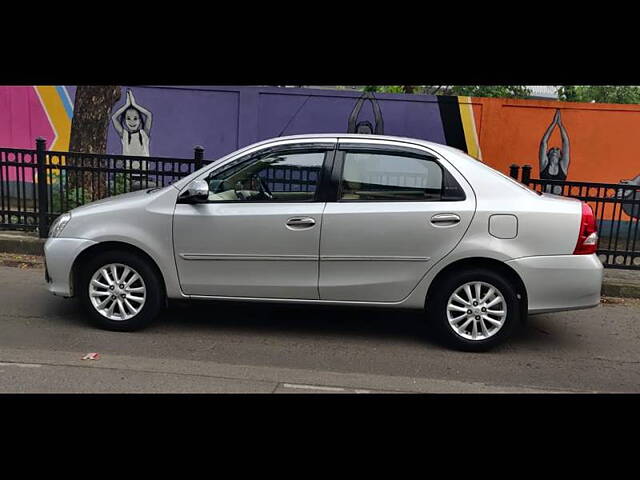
(300, 223)
(445, 219)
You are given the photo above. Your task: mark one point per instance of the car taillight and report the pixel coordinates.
(588, 234)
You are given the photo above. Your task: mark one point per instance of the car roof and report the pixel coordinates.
(459, 157)
(356, 135)
(438, 147)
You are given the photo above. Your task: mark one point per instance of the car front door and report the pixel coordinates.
(398, 211)
(259, 233)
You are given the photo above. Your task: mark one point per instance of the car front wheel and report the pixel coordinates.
(120, 291)
(474, 310)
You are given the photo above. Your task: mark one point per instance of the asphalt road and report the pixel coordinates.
(221, 347)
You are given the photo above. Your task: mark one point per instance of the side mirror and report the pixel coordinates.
(197, 191)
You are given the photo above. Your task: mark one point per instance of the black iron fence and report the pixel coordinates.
(289, 178)
(616, 207)
(72, 179)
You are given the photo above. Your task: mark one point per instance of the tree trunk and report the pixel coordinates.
(89, 129)
(408, 88)
(91, 116)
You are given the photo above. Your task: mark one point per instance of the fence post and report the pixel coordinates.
(526, 174)
(514, 170)
(198, 156)
(43, 209)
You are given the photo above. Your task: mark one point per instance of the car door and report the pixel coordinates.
(259, 233)
(397, 212)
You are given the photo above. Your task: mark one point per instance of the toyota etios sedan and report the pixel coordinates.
(335, 219)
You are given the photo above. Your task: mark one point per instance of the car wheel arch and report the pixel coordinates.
(490, 264)
(109, 246)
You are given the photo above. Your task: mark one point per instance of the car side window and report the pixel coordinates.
(390, 177)
(274, 176)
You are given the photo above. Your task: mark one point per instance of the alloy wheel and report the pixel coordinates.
(476, 311)
(117, 291)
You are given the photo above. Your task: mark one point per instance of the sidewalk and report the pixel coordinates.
(21, 242)
(621, 283)
(24, 250)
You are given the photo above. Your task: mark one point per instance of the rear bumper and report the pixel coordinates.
(60, 254)
(560, 282)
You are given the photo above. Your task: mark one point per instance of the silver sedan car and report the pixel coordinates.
(338, 219)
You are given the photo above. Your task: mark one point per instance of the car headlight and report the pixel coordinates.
(58, 225)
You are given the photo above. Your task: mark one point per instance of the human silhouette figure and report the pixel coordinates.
(631, 209)
(554, 162)
(133, 124)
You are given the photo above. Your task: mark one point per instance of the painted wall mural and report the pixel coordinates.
(633, 210)
(30, 112)
(587, 141)
(132, 123)
(365, 126)
(40, 111)
(573, 141)
(554, 161)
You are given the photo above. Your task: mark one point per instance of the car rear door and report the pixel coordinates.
(398, 210)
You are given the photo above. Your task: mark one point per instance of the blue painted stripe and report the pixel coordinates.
(66, 101)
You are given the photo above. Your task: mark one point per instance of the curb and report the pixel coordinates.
(21, 244)
(616, 289)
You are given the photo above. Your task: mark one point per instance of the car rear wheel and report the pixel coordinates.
(474, 310)
(120, 291)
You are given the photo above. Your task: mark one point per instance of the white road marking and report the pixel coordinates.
(316, 387)
(313, 387)
(24, 365)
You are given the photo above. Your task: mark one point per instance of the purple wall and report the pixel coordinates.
(222, 119)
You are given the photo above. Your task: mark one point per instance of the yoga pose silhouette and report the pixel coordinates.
(554, 162)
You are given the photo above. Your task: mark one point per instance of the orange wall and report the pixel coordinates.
(604, 138)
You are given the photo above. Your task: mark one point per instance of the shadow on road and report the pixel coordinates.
(275, 319)
(312, 322)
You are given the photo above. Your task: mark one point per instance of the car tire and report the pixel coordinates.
(135, 306)
(455, 327)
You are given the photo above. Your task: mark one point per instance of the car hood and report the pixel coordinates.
(117, 201)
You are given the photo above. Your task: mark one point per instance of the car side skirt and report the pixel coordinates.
(399, 304)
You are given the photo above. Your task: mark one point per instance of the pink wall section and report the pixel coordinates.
(23, 119)
(26, 118)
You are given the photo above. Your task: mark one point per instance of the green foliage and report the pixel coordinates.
(119, 185)
(503, 91)
(500, 91)
(600, 93)
(63, 201)
(393, 89)
(384, 89)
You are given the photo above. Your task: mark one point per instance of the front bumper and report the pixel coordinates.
(560, 282)
(60, 254)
